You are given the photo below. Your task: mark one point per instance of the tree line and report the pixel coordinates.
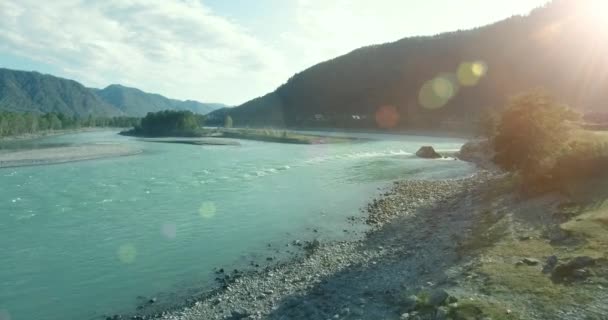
(15, 123)
(169, 123)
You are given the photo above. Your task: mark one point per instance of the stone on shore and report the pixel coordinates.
(531, 261)
(574, 270)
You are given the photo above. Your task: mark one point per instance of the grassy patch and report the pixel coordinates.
(504, 277)
(489, 229)
(478, 309)
(593, 226)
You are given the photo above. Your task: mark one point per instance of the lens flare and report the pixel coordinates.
(207, 210)
(436, 93)
(387, 117)
(4, 315)
(169, 230)
(469, 73)
(443, 88)
(127, 253)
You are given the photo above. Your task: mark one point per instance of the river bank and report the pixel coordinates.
(353, 279)
(194, 141)
(207, 135)
(483, 249)
(55, 155)
(50, 133)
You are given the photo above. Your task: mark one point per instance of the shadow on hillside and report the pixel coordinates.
(420, 252)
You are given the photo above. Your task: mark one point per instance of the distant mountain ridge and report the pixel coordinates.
(557, 47)
(25, 91)
(136, 102)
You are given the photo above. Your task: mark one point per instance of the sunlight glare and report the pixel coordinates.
(4, 315)
(598, 15)
(127, 253)
(469, 73)
(169, 230)
(207, 210)
(436, 93)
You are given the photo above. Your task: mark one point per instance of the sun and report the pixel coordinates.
(597, 12)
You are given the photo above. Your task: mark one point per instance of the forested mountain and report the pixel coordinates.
(135, 102)
(22, 91)
(448, 80)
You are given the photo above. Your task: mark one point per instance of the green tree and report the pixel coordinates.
(533, 133)
(168, 123)
(4, 130)
(53, 121)
(228, 122)
(31, 122)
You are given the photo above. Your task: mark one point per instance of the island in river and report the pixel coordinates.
(185, 124)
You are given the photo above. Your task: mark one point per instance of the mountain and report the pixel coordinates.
(22, 91)
(447, 80)
(135, 102)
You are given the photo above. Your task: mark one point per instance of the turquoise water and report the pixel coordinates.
(84, 239)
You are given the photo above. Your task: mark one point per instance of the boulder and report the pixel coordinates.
(438, 297)
(574, 270)
(479, 152)
(427, 152)
(531, 261)
(409, 304)
(550, 264)
(238, 315)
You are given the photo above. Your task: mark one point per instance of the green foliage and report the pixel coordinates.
(15, 123)
(473, 310)
(586, 157)
(532, 134)
(538, 139)
(170, 123)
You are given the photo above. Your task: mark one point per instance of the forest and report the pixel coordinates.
(169, 123)
(16, 123)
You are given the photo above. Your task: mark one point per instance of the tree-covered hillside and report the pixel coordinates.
(22, 91)
(138, 103)
(446, 81)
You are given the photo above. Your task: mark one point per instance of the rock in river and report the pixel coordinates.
(427, 152)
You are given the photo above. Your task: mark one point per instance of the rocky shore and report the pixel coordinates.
(410, 242)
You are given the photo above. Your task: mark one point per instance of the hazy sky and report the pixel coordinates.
(216, 50)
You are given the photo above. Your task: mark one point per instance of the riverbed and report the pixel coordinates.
(86, 239)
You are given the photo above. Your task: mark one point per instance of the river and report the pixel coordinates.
(85, 239)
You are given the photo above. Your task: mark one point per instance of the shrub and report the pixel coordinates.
(532, 134)
(585, 158)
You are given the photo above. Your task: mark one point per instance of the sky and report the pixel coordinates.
(227, 51)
